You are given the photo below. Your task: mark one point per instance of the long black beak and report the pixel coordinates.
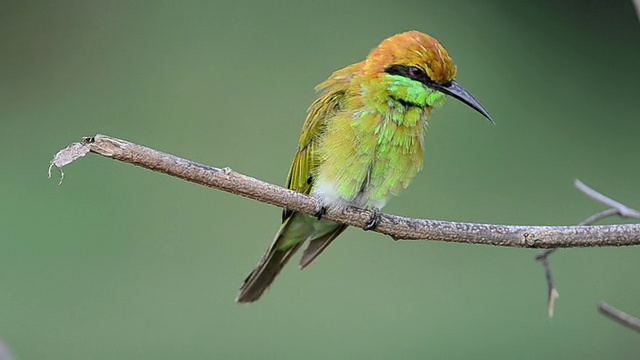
(458, 92)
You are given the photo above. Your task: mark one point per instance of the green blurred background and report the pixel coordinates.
(120, 262)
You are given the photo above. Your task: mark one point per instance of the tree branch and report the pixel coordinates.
(620, 316)
(395, 226)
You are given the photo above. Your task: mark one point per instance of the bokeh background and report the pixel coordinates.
(120, 262)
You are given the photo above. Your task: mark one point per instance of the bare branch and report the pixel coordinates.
(620, 316)
(620, 209)
(539, 237)
(616, 209)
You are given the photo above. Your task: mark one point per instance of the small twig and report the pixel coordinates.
(621, 209)
(552, 292)
(616, 209)
(620, 316)
(5, 352)
(540, 237)
(604, 308)
(598, 216)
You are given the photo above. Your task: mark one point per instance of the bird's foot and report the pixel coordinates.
(320, 210)
(374, 220)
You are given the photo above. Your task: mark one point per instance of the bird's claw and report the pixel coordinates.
(320, 210)
(373, 221)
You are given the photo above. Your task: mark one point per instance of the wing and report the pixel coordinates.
(332, 94)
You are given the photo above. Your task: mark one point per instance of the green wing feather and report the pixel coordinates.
(298, 227)
(305, 162)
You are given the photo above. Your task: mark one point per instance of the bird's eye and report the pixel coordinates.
(415, 72)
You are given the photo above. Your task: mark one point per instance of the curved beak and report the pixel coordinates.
(458, 92)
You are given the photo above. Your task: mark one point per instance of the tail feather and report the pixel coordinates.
(293, 233)
(264, 273)
(317, 246)
(271, 263)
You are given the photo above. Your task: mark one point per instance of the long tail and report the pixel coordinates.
(317, 246)
(264, 273)
(292, 234)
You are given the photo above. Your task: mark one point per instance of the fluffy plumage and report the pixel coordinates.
(361, 143)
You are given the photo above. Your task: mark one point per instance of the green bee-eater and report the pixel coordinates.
(361, 143)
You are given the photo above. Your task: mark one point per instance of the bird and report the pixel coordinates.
(361, 143)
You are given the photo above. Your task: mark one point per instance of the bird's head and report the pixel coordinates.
(417, 71)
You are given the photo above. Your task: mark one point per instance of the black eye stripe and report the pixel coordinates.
(411, 72)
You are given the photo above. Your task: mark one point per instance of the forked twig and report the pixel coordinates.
(616, 209)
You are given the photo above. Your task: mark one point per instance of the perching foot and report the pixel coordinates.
(320, 210)
(374, 220)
